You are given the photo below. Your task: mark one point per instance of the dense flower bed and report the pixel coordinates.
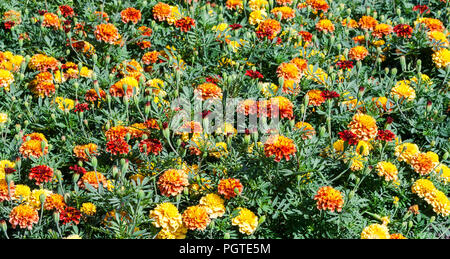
(351, 100)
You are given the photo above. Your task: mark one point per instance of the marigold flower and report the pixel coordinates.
(329, 198)
(185, 23)
(43, 63)
(315, 97)
(284, 2)
(6, 79)
(375, 231)
(150, 57)
(93, 178)
(83, 152)
(367, 23)
(246, 220)
(385, 135)
(117, 146)
(88, 208)
(70, 214)
(403, 30)
(234, 4)
(437, 199)
(358, 53)
(196, 217)
(24, 216)
(161, 11)
(22, 192)
(213, 204)
(280, 146)
(432, 24)
(363, 126)
(423, 163)
(381, 30)
(116, 132)
(130, 15)
(441, 58)
(207, 91)
(325, 26)
(51, 20)
(283, 105)
(439, 37)
(268, 28)
(91, 95)
(54, 201)
(41, 174)
(34, 199)
(118, 89)
(442, 171)
(66, 11)
(403, 90)
(258, 4)
(151, 146)
(397, 236)
(230, 187)
(172, 182)
(285, 11)
(107, 33)
(388, 170)
(180, 233)
(167, 217)
(406, 151)
(4, 194)
(289, 71)
(307, 129)
(318, 5)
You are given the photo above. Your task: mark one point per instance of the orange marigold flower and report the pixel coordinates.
(358, 53)
(91, 178)
(107, 32)
(302, 64)
(363, 126)
(23, 215)
(196, 217)
(102, 16)
(423, 163)
(43, 63)
(118, 89)
(84, 151)
(367, 23)
(172, 182)
(4, 194)
(289, 71)
(234, 4)
(381, 30)
(269, 28)
(284, 106)
(329, 198)
(306, 128)
(54, 201)
(208, 90)
(388, 170)
(91, 95)
(34, 148)
(315, 98)
(130, 15)
(161, 11)
(432, 24)
(284, 2)
(146, 31)
(349, 23)
(230, 187)
(318, 5)
(280, 146)
(150, 57)
(51, 20)
(286, 12)
(325, 26)
(397, 236)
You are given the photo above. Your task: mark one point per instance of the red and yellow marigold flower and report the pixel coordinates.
(307, 129)
(234, 4)
(36, 145)
(51, 20)
(367, 23)
(54, 201)
(363, 126)
(329, 198)
(325, 26)
(118, 89)
(230, 187)
(161, 11)
(315, 98)
(207, 91)
(196, 218)
(289, 71)
(41, 174)
(280, 147)
(23, 216)
(107, 32)
(423, 163)
(172, 182)
(382, 30)
(130, 15)
(246, 220)
(148, 146)
(42, 63)
(93, 178)
(6, 195)
(83, 152)
(358, 53)
(269, 28)
(285, 11)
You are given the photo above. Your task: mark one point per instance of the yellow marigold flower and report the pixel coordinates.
(424, 189)
(406, 151)
(325, 26)
(42, 63)
(5, 164)
(257, 16)
(424, 80)
(358, 53)
(88, 208)
(6, 79)
(234, 4)
(196, 217)
(363, 148)
(363, 126)
(166, 216)
(213, 204)
(180, 233)
(174, 16)
(219, 150)
(258, 4)
(22, 192)
(329, 198)
(442, 170)
(268, 89)
(318, 75)
(423, 163)
(118, 89)
(375, 231)
(246, 220)
(65, 104)
(357, 162)
(388, 170)
(34, 198)
(308, 129)
(440, 203)
(338, 146)
(24, 216)
(403, 90)
(441, 58)
(439, 37)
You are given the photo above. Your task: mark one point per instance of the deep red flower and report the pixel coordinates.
(403, 30)
(77, 169)
(70, 214)
(421, 8)
(185, 23)
(8, 25)
(66, 11)
(117, 146)
(385, 135)
(40, 174)
(348, 136)
(254, 74)
(205, 113)
(81, 107)
(153, 146)
(306, 36)
(42, 12)
(9, 170)
(213, 79)
(329, 94)
(389, 120)
(343, 64)
(235, 26)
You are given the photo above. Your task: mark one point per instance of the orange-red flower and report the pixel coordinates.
(196, 217)
(325, 26)
(92, 178)
(51, 20)
(234, 4)
(423, 163)
(117, 146)
(230, 187)
(208, 90)
(329, 198)
(268, 28)
(280, 147)
(172, 182)
(358, 53)
(54, 201)
(4, 194)
(161, 11)
(41, 174)
(315, 97)
(36, 146)
(367, 23)
(107, 32)
(381, 30)
(150, 146)
(91, 95)
(23, 215)
(130, 15)
(83, 152)
(289, 71)
(363, 126)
